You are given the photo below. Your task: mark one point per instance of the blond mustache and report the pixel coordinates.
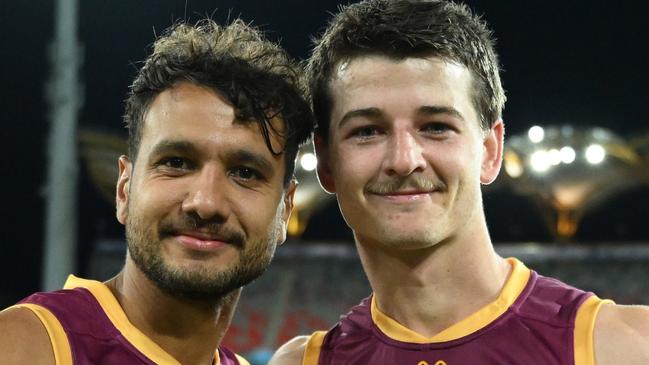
(413, 182)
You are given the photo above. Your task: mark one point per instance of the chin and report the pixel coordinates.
(403, 238)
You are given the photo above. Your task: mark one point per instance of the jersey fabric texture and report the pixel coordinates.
(87, 326)
(535, 320)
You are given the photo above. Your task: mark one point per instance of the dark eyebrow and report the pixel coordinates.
(167, 145)
(432, 110)
(376, 113)
(370, 113)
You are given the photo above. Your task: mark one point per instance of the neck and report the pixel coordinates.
(189, 330)
(428, 290)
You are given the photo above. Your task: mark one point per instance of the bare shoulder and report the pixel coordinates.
(621, 335)
(24, 339)
(290, 353)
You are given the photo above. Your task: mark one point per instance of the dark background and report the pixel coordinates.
(580, 62)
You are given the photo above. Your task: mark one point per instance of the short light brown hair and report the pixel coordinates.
(400, 29)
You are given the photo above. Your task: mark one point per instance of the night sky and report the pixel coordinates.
(578, 62)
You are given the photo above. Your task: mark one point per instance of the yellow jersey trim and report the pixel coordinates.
(584, 328)
(313, 347)
(514, 285)
(58, 338)
(118, 318)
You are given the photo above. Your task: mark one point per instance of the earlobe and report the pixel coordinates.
(492, 152)
(324, 169)
(122, 188)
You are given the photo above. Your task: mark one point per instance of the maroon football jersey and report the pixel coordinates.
(535, 320)
(87, 326)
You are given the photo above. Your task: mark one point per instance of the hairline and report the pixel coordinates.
(147, 107)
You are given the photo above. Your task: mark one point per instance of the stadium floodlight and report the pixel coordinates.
(536, 134)
(595, 154)
(540, 161)
(554, 157)
(308, 161)
(562, 171)
(568, 154)
(513, 165)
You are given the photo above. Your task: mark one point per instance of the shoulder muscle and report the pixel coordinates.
(290, 353)
(622, 335)
(24, 339)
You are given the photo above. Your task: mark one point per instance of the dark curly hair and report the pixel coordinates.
(400, 29)
(257, 76)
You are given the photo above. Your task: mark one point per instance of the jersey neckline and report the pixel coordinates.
(514, 286)
(118, 318)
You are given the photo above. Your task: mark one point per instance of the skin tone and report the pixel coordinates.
(409, 185)
(405, 157)
(195, 160)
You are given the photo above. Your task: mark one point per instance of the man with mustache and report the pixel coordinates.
(215, 119)
(408, 102)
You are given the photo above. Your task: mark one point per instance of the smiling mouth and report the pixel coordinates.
(206, 241)
(201, 242)
(405, 195)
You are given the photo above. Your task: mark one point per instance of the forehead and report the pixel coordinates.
(205, 118)
(385, 83)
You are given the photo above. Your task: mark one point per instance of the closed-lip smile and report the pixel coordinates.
(406, 195)
(201, 241)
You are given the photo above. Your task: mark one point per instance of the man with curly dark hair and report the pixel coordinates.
(408, 101)
(215, 118)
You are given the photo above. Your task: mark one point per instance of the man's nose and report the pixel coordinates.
(405, 155)
(207, 197)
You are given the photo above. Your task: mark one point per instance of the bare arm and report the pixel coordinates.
(622, 335)
(291, 353)
(23, 339)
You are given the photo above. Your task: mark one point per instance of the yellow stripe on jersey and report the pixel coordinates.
(313, 347)
(514, 285)
(584, 328)
(58, 338)
(118, 318)
(116, 314)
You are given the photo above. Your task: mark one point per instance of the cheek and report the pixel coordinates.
(355, 167)
(257, 212)
(156, 200)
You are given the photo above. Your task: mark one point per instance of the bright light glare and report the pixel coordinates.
(308, 161)
(554, 157)
(536, 134)
(513, 164)
(595, 154)
(540, 161)
(567, 155)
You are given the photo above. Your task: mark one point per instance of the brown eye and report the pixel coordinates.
(365, 132)
(246, 174)
(436, 128)
(176, 163)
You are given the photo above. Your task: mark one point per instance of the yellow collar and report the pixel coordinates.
(116, 314)
(513, 287)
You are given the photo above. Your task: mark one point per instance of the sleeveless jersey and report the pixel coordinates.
(87, 326)
(535, 320)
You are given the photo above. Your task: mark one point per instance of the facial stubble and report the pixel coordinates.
(202, 283)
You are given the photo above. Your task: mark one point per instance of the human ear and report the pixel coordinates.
(492, 156)
(122, 190)
(324, 168)
(287, 208)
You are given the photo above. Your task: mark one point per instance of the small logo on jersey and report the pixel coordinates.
(440, 362)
